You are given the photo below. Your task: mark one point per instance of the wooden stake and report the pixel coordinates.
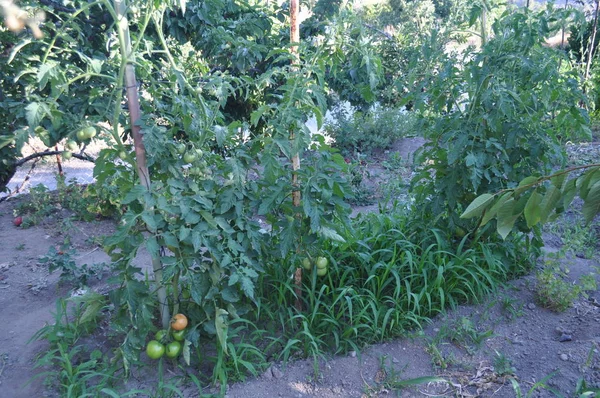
(296, 195)
(135, 114)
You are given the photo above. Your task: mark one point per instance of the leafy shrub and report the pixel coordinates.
(500, 118)
(365, 132)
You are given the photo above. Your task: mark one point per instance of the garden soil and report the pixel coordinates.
(508, 342)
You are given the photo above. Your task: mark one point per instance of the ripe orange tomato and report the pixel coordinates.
(179, 322)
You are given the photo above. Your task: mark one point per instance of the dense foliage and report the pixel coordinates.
(224, 102)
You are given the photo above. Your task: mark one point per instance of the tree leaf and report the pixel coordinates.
(569, 191)
(478, 205)
(591, 206)
(533, 212)
(491, 213)
(525, 184)
(549, 202)
(506, 218)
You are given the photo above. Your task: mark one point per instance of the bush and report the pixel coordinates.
(366, 132)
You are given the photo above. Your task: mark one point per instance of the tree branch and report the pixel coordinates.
(26, 159)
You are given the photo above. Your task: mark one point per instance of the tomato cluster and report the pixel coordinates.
(322, 265)
(162, 346)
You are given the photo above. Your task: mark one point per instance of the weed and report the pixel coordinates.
(42, 203)
(73, 370)
(70, 272)
(576, 239)
(361, 194)
(511, 308)
(438, 358)
(389, 378)
(582, 390)
(395, 163)
(540, 385)
(503, 365)
(464, 333)
(552, 291)
(20, 247)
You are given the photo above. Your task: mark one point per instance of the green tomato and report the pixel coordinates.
(67, 155)
(189, 157)
(180, 148)
(178, 335)
(72, 145)
(199, 152)
(322, 271)
(322, 262)
(160, 335)
(81, 136)
(154, 349)
(173, 349)
(123, 155)
(90, 132)
(306, 264)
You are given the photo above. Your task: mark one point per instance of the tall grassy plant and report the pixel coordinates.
(381, 282)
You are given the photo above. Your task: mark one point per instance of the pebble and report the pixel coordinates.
(352, 354)
(564, 357)
(268, 373)
(565, 337)
(276, 372)
(531, 306)
(517, 342)
(394, 360)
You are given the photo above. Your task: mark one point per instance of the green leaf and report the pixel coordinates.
(569, 191)
(134, 194)
(257, 114)
(591, 206)
(533, 211)
(230, 294)
(549, 202)
(152, 246)
(478, 205)
(491, 213)
(35, 113)
(186, 351)
(330, 233)
(506, 218)
(525, 184)
(221, 327)
(148, 218)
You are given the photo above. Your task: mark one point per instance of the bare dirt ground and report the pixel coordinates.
(476, 351)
